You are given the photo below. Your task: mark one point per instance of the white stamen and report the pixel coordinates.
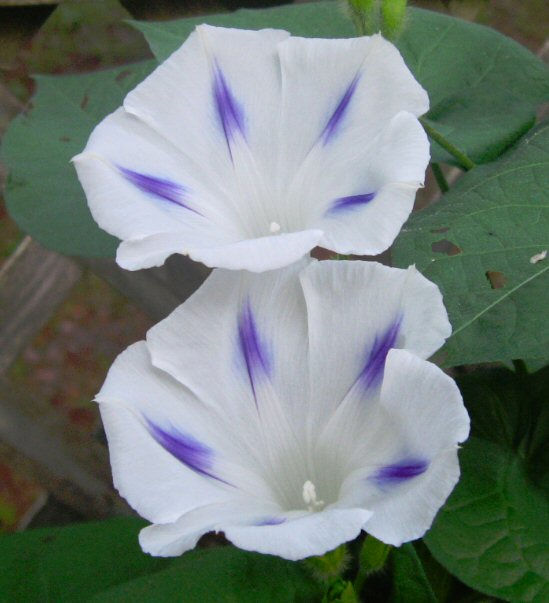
(274, 227)
(309, 497)
(538, 257)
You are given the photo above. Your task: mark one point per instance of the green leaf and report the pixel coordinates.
(102, 562)
(476, 244)
(312, 20)
(483, 87)
(70, 564)
(409, 579)
(493, 533)
(483, 103)
(43, 194)
(220, 575)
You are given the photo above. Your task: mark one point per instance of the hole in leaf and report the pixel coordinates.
(440, 230)
(447, 247)
(496, 279)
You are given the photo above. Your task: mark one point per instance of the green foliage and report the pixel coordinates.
(71, 564)
(393, 13)
(330, 565)
(482, 104)
(493, 533)
(102, 562)
(340, 591)
(373, 555)
(43, 193)
(365, 16)
(410, 581)
(483, 87)
(476, 244)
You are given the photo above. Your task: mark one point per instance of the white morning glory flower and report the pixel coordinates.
(246, 149)
(290, 410)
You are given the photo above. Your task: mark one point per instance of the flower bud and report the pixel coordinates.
(373, 555)
(365, 15)
(331, 565)
(393, 14)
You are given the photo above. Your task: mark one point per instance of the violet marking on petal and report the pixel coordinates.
(372, 373)
(337, 116)
(229, 110)
(157, 187)
(399, 472)
(193, 454)
(253, 350)
(271, 521)
(349, 203)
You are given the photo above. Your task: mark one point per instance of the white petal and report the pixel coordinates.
(433, 401)
(169, 452)
(259, 255)
(121, 143)
(316, 75)
(178, 99)
(157, 485)
(411, 463)
(390, 167)
(350, 306)
(312, 534)
(234, 343)
(408, 515)
(169, 540)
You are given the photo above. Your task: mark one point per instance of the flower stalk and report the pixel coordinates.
(365, 15)
(464, 161)
(372, 559)
(440, 178)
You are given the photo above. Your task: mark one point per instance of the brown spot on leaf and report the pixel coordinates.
(447, 247)
(84, 102)
(122, 75)
(496, 279)
(440, 230)
(64, 139)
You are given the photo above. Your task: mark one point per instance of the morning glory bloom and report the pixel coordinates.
(289, 410)
(246, 149)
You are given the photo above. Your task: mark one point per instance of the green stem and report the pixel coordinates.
(464, 161)
(360, 580)
(520, 367)
(372, 558)
(439, 177)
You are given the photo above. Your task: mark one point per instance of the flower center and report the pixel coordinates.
(309, 497)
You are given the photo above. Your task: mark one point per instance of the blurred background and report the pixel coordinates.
(61, 325)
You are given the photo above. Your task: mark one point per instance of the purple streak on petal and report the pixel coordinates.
(337, 116)
(193, 454)
(344, 204)
(271, 521)
(229, 110)
(372, 373)
(157, 187)
(253, 350)
(402, 471)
